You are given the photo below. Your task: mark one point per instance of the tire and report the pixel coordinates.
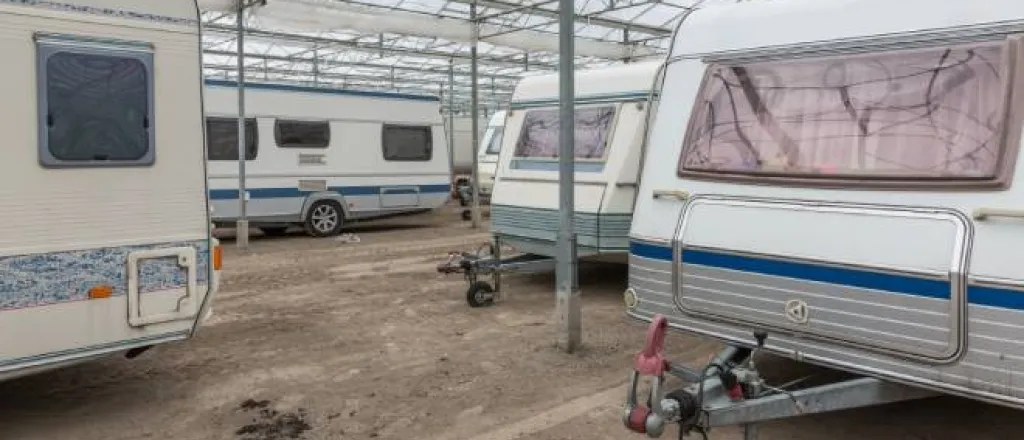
(324, 219)
(480, 294)
(276, 231)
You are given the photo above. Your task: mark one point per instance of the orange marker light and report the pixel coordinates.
(218, 258)
(100, 292)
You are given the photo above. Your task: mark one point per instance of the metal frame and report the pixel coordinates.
(479, 264)
(729, 391)
(414, 64)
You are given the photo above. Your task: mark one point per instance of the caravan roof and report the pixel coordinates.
(763, 26)
(608, 81)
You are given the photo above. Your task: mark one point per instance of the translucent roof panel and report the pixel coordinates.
(413, 46)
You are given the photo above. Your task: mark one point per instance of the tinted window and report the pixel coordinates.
(95, 107)
(539, 135)
(302, 134)
(222, 138)
(407, 143)
(920, 114)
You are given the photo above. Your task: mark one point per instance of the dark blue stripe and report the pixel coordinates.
(283, 193)
(324, 90)
(650, 251)
(1003, 298)
(823, 274)
(995, 297)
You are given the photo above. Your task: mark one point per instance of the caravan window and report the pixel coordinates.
(539, 136)
(913, 115)
(494, 146)
(222, 138)
(302, 134)
(408, 143)
(95, 106)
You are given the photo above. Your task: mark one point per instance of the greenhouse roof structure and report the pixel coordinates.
(411, 46)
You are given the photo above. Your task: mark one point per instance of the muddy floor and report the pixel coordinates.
(325, 339)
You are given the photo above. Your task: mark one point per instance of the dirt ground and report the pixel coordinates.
(320, 339)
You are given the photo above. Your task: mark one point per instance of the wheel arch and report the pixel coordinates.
(322, 196)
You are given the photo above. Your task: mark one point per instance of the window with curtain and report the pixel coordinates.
(539, 136)
(915, 114)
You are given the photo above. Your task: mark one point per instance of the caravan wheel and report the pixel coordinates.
(324, 219)
(480, 294)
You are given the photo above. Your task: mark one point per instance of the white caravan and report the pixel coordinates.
(490, 147)
(106, 245)
(319, 157)
(611, 107)
(841, 187)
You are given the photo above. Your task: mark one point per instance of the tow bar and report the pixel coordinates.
(648, 362)
(729, 391)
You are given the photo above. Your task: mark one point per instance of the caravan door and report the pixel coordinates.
(887, 278)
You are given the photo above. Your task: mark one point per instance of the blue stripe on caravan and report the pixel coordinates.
(1004, 298)
(284, 193)
(823, 274)
(995, 297)
(650, 251)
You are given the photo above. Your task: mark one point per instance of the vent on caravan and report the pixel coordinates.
(312, 159)
(312, 185)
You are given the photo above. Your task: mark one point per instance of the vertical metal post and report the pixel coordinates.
(450, 122)
(474, 114)
(242, 224)
(568, 307)
(750, 432)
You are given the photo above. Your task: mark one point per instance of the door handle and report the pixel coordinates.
(672, 193)
(982, 214)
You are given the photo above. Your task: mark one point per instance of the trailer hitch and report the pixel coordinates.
(650, 419)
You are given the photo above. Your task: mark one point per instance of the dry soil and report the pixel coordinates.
(321, 339)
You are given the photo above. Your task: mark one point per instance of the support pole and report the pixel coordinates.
(475, 115)
(568, 307)
(242, 224)
(450, 122)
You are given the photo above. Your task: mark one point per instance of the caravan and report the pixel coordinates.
(612, 104)
(490, 148)
(840, 187)
(318, 157)
(611, 107)
(106, 245)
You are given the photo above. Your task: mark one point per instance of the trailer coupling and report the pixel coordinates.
(729, 391)
(679, 406)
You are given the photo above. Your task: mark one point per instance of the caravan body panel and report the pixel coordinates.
(348, 165)
(847, 260)
(107, 241)
(490, 150)
(611, 107)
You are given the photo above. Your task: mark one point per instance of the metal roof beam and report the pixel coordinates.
(508, 60)
(427, 86)
(587, 19)
(325, 63)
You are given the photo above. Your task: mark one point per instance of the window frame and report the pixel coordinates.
(609, 136)
(234, 120)
(430, 141)
(49, 45)
(277, 133)
(1010, 127)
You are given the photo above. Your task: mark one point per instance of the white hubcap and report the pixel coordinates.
(325, 218)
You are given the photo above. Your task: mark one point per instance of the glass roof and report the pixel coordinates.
(409, 46)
